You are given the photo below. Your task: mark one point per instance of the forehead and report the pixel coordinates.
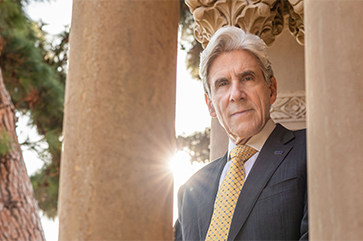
(234, 61)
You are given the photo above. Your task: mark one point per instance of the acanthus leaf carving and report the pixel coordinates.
(210, 19)
(231, 11)
(296, 20)
(264, 18)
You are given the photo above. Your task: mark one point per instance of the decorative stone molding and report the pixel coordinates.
(264, 18)
(289, 107)
(296, 20)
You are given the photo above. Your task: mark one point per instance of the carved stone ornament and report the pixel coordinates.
(264, 18)
(296, 20)
(289, 107)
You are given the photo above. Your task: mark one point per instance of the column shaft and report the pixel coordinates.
(119, 121)
(334, 88)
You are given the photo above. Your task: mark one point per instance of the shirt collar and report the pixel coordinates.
(257, 141)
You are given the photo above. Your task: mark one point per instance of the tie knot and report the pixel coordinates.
(242, 152)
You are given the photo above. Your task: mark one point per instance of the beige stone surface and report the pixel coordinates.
(288, 62)
(264, 18)
(287, 58)
(289, 109)
(334, 71)
(119, 134)
(261, 18)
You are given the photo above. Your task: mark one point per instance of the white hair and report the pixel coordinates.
(230, 38)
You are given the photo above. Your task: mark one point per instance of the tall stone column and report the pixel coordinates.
(334, 71)
(119, 132)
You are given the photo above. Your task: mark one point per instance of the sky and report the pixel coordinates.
(191, 112)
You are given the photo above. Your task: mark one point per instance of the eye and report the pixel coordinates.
(222, 84)
(248, 78)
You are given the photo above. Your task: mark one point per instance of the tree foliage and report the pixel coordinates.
(34, 75)
(188, 42)
(196, 145)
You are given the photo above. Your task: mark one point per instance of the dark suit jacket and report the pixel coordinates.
(272, 204)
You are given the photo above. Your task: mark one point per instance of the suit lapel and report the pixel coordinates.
(208, 193)
(272, 154)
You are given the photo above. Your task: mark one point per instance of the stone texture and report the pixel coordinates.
(119, 121)
(334, 70)
(265, 18)
(288, 63)
(289, 109)
(287, 58)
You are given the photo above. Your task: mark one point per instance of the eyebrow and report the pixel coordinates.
(239, 75)
(245, 73)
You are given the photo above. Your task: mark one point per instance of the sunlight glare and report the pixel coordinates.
(180, 165)
(182, 170)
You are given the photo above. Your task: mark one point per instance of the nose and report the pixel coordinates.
(237, 92)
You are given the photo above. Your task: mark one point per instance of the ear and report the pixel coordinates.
(273, 90)
(209, 103)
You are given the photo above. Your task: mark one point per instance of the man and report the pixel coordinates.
(257, 190)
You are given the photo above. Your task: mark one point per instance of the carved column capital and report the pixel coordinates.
(264, 18)
(296, 20)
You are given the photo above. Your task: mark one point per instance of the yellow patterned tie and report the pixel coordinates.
(228, 194)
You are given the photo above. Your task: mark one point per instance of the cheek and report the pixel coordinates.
(264, 104)
(267, 107)
(221, 104)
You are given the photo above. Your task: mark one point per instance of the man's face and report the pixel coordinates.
(240, 97)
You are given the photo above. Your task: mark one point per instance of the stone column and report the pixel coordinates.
(334, 71)
(119, 132)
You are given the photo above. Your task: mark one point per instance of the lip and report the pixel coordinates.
(241, 112)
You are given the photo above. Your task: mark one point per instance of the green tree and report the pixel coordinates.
(34, 75)
(196, 145)
(188, 42)
(19, 218)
